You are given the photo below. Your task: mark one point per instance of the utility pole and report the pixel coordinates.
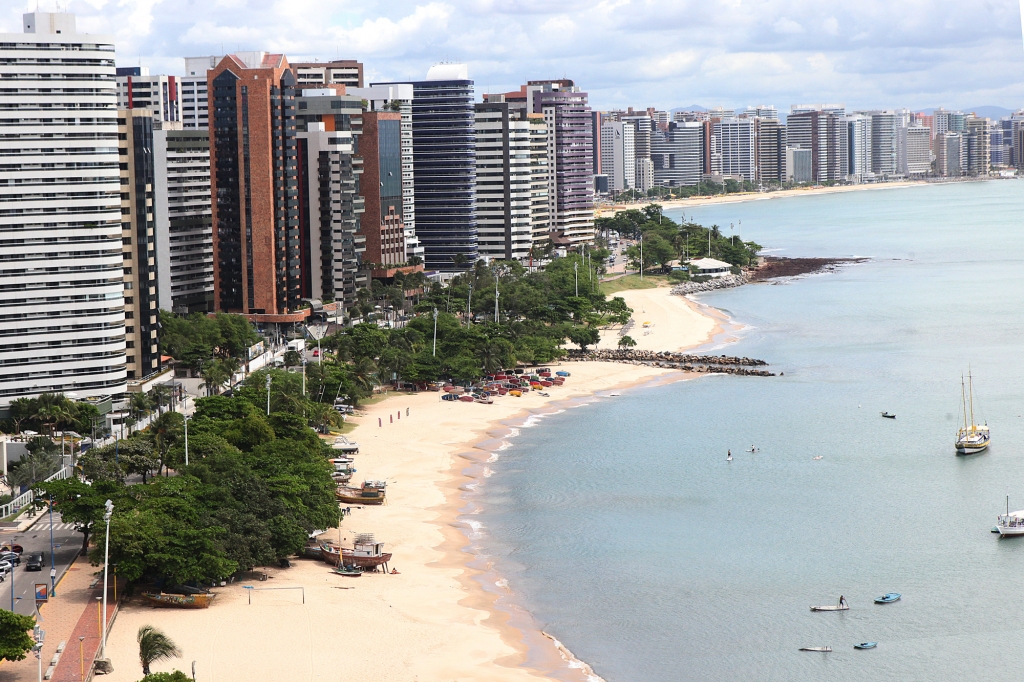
(106, 557)
(187, 418)
(303, 374)
(469, 305)
(641, 257)
(268, 394)
(435, 333)
(576, 272)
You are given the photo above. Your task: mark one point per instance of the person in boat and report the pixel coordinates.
(728, 454)
(842, 601)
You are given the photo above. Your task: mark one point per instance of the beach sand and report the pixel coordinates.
(431, 622)
(608, 211)
(672, 322)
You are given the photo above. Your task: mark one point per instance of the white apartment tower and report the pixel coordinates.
(736, 145)
(504, 183)
(195, 111)
(618, 155)
(61, 271)
(136, 89)
(858, 145)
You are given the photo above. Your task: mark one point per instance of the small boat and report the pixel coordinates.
(831, 607)
(345, 446)
(817, 458)
(372, 492)
(562, 374)
(865, 645)
(349, 571)
(971, 438)
(614, 395)
(888, 598)
(888, 416)
(366, 553)
(1009, 524)
(542, 393)
(180, 601)
(823, 649)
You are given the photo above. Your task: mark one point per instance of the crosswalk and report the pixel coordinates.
(45, 525)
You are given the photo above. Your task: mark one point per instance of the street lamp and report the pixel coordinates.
(187, 418)
(53, 565)
(268, 394)
(435, 333)
(106, 556)
(576, 272)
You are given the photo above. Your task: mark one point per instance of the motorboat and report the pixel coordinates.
(345, 446)
(970, 438)
(888, 416)
(865, 645)
(888, 598)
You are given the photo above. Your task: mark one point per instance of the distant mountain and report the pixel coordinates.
(692, 107)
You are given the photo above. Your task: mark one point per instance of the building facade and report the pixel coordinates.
(771, 151)
(142, 261)
(161, 95)
(979, 155)
(915, 150)
(61, 272)
(859, 156)
(382, 224)
(736, 142)
(253, 162)
(183, 220)
(347, 72)
(444, 163)
(678, 154)
(618, 155)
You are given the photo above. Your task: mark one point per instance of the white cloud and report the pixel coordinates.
(868, 53)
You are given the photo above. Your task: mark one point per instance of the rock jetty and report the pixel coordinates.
(712, 364)
(726, 282)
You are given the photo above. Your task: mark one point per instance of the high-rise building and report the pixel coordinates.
(914, 145)
(678, 154)
(327, 178)
(946, 121)
(504, 182)
(138, 233)
(347, 72)
(764, 112)
(771, 151)
(570, 158)
(540, 216)
(136, 89)
(61, 276)
(978, 131)
(643, 126)
(996, 154)
(183, 220)
(194, 92)
(883, 142)
(257, 254)
(444, 162)
(399, 98)
(736, 142)
(950, 153)
(380, 146)
(596, 122)
(859, 147)
(618, 155)
(799, 165)
(821, 132)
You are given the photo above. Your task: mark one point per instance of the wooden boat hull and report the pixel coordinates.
(179, 601)
(358, 498)
(822, 649)
(830, 608)
(330, 554)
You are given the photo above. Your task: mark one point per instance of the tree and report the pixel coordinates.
(14, 639)
(627, 342)
(155, 646)
(80, 503)
(21, 410)
(584, 336)
(43, 459)
(176, 676)
(292, 358)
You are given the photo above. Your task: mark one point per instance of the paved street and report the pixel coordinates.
(67, 543)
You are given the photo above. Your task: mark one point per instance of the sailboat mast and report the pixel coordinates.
(963, 399)
(970, 390)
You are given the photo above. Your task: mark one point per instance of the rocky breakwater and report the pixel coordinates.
(725, 282)
(711, 364)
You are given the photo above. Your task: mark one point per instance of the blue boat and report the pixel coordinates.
(888, 598)
(562, 374)
(865, 645)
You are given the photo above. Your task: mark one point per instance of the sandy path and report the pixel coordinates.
(675, 322)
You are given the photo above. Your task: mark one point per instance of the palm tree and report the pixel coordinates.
(155, 646)
(364, 373)
(489, 354)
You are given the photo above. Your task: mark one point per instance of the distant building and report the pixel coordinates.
(540, 207)
(762, 111)
(643, 126)
(883, 143)
(799, 165)
(709, 267)
(183, 220)
(947, 121)
(821, 132)
(736, 142)
(978, 132)
(771, 151)
(678, 154)
(950, 154)
(347, 72)
(444, 165)
(914, 145)
(136, 89)
(618, 155)
(141, 259)
(859, 147)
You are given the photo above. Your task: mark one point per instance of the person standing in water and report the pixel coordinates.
(728, 457)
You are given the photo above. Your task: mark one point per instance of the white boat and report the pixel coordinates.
(345, 446)
(971, 438)
(822, 649)
(831, 607)
(1010, 524)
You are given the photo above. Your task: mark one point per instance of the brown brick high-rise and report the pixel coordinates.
(253, 176)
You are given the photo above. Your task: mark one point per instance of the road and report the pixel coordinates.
(67, 543)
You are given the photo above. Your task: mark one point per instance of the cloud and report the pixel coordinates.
(867, 53)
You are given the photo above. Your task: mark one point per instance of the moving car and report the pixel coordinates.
(35, 562)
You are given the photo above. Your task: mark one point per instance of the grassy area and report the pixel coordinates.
(634, 282)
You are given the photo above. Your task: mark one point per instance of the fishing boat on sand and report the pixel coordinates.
(970, 438)
(371, 492)
(366, 553)
(180, 601)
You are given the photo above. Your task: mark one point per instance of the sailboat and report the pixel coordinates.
(1011, 524)
(971, 438)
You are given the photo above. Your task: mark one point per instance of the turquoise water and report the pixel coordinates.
(620, 526)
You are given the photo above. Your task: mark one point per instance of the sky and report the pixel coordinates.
(668, 54)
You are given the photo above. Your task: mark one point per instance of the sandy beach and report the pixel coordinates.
(433, 621)
(608, 211)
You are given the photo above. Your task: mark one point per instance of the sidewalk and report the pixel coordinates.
(60, 619)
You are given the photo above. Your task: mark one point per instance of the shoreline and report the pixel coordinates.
(738, 197)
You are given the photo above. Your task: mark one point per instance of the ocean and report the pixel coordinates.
(620, 527)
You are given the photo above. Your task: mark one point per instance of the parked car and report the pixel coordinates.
(35, 562)
(12, 548)
(316, 353)
(12, 557)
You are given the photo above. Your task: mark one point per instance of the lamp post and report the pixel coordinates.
(641, 256)
(106, 556)
(576, 272)
(81, 655)
(303, 375)
(435, 333)
(268, 394)
(187, 418)
(53, 565)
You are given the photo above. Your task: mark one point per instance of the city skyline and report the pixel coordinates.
(866, 55)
